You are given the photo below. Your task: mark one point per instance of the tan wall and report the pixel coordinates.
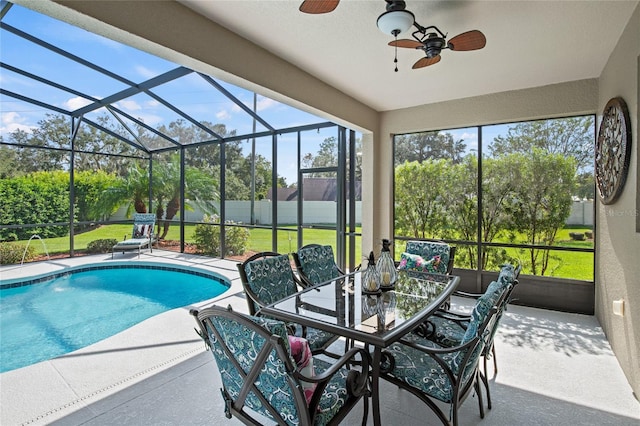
(617, 242)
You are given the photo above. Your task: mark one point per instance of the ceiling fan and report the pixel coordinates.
(397, 20)
(318, 6)
(432, 41)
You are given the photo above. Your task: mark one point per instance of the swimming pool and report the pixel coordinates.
(49, 316)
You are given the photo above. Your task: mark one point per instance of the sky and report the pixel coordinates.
(191, 94)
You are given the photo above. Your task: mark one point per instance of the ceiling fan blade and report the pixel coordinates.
(425, 62)
(318, 6)
(405, 42)
(471, 40)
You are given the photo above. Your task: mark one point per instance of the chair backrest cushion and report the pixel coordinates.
(272, 381)
(143, 225)
(318, 264)
(271, 278)
(508, 274)
(430, 249)
(478, 316)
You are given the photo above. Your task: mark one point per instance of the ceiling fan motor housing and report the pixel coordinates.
(433, 45)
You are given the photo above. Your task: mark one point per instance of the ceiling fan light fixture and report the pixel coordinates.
(394, 22)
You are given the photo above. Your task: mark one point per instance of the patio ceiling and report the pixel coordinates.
(529, 44)
(48, 66)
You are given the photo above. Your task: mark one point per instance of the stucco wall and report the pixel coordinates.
(617, 242)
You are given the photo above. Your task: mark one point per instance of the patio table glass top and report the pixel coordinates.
(342, 307)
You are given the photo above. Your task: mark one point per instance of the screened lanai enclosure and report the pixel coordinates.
(94, 130)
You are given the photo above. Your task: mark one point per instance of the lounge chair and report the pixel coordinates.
(142, 235)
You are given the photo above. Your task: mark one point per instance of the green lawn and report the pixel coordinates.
(564, 264)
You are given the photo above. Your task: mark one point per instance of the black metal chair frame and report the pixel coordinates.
(460, 389)
(489, 351)
(357, 381)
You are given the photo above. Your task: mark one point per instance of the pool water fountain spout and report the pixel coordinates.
(27, 247)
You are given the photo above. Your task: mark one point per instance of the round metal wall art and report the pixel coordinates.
(613, 150)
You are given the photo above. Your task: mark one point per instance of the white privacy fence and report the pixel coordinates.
(324, 212)
(314, 212)
(581, 213)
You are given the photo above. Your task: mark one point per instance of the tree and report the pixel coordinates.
(586, 186)
(8, 159)
(199, 189)
(428, 145)
(421, 189)
(134, 189)
(570, 137)
(541, 200)
(327, 156)
(461, 200)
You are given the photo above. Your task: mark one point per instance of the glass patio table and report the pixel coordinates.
(341, 307)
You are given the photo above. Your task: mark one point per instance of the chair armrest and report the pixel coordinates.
(467, 295)
(453, 316)
(357, 381)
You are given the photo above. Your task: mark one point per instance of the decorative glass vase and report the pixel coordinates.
(371, 277)
(386, 266)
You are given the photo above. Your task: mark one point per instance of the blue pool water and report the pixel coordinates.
(47, 319)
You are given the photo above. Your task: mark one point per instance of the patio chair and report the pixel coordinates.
(431, 372)
(142, 235)
(429, 256)
(267, 277)
(447, 328)
(316, 264)
(260, 377)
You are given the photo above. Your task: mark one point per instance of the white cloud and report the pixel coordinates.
(12, 121)
(145, 72)
(129, 105)
(223, 115)
(150, 119)
(266, 103)
(467, 136)
(75, 103)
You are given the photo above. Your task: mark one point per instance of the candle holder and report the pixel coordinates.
(386, 267)
(371, 277)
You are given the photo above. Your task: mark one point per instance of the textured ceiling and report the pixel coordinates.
(529, 44)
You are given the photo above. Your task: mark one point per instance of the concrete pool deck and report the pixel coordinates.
(50, 390)
(555, 368)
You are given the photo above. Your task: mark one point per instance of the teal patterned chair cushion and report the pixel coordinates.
(317, 338)
(446, 332)
(430, 249)
(450, 333)
(420, 370)
(318, 264)
(271, 278)
(507, 274)
(246, 346)
(273, 381)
